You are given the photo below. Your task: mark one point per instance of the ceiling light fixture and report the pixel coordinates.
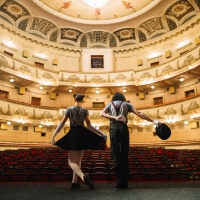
(182, 44)
(152, 87)
(40, 56)
(181, 79)
(10, 44)
(154, 55)
(12, 80)
(96, 3)
(97, 91)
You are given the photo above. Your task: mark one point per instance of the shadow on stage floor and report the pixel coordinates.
(102, 191)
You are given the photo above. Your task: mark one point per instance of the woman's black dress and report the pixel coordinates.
(80, 138)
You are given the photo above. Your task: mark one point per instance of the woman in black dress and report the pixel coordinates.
(78, 139)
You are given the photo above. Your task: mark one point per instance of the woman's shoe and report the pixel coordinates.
(88, 181)
(75, 185)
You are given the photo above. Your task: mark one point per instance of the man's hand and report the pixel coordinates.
(121, 118)
(157, 123)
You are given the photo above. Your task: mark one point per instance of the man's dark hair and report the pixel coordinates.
(118, 96)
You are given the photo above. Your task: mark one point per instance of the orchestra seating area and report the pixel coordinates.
(146, 164)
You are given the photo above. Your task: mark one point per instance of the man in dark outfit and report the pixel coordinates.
(117, 111)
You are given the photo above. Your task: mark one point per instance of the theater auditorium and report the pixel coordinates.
(149, 50)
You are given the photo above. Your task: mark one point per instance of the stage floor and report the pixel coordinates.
(102, 191)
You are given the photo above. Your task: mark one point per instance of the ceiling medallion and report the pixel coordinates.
(96, 3)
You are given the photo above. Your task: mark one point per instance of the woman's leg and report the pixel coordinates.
(74, 161)
(78, 162)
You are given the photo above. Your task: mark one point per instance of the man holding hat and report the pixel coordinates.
(117, 112)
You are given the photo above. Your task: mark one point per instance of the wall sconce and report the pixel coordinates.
(41, 87)
(25, 53)
(139, 62)
(124, 90)
(168, 54)
(197, 40)
(12, 80)
(153, 87)
(55, 61)
(181, 79)
(9, 123)
(70, 90)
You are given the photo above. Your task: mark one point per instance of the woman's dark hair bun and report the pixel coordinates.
(78, 97)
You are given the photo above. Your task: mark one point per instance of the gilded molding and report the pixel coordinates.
(21, 113)
(97, 79)
(180, 12)
(48, 77)
(194, 107)
(169, 69)
(25, 70)
(174, 67)
(165, 113)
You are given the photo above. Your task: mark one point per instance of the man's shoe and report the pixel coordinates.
(122, 185)
(88, 181)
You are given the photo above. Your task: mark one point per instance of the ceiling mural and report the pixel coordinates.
(112, 11)
(173, 16)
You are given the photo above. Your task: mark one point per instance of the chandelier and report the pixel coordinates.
(96, 3)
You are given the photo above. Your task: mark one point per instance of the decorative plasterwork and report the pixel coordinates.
(125, 49)
(25, 114)
(27, 72)
(165, 113)
(175, 15)
(147, 76)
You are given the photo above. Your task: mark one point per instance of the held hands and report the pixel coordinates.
(121, 118)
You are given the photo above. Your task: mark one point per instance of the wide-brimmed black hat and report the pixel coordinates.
(163, 131)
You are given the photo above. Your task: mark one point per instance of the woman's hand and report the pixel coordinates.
(53, 140)
(104, 136)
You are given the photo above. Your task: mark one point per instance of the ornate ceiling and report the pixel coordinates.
(114, 11)
(61, 21)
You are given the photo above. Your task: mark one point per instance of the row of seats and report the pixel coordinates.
(144, 161)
